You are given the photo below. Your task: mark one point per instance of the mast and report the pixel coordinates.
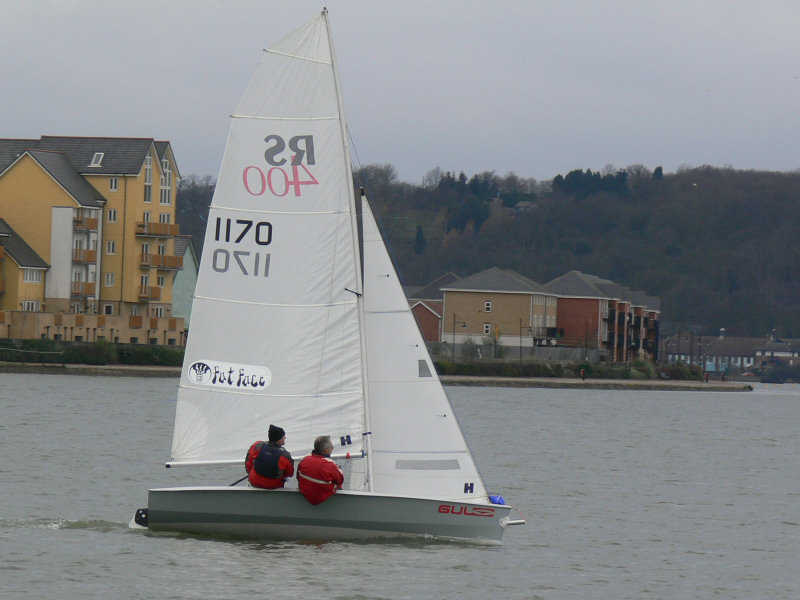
(356, 251)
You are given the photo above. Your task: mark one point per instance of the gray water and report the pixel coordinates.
(645, 495)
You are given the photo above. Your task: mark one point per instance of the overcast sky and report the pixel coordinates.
(537, 88)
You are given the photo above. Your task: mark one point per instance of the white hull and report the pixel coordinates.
(254, 513)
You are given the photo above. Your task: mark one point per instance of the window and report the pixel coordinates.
(159, 310)
(32, 276)
(146, 216)
(487, 329)
(30, 305)
(97, 159)
(166, 182)
(111, 247)
(109, 282)
(112, 215)
(145, 248)
(148, 178)
(161, 283)
(135, 310)
(145, 280)
(108, 309)
(164, 218)
(487, 307)
(113, 184)
(162, 249)
(76, 307)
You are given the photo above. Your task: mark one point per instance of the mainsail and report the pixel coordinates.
(286, 328)
(277, 332)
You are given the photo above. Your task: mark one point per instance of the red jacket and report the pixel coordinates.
(269, 459)
(318, 478)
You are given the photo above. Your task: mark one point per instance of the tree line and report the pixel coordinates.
(717, 245)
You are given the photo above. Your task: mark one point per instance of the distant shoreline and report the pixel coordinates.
(454, 380)
(663, 385)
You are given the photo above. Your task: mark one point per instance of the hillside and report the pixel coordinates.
(719, 246)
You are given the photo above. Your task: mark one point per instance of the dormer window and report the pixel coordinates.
(97, 159)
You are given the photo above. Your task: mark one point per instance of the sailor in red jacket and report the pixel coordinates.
(317, 475)
(268, 465)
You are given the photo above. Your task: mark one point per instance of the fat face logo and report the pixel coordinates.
(474, 511)
(199, 371)
(229, 375)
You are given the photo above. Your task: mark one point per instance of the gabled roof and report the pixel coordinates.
(427, 306)
(653, 303)
(120, 156)
(497, 280)
(433, 290)
(18, 249)
(10, 149)
(184, 244)
(61, 170)
(578, 285)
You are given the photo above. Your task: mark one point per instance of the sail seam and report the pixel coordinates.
(268, 118)
(283, 212)
(344, 393)
(297, 56)
(323, 305)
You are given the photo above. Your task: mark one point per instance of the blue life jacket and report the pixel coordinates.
(266, 463)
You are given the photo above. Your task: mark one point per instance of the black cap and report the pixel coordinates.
(275, 433)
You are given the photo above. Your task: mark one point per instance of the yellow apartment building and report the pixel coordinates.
(99, 215)
(498, 304)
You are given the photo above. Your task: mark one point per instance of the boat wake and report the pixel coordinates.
(50, 523)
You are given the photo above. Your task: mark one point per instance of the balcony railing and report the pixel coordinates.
(82, 255)
(135, 321)
(84, 224)
(83, 288)
(161, 261)
(149, 292)
(152, 229)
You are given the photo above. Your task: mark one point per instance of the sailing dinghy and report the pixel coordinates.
(299, 319)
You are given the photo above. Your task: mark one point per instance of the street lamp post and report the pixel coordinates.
(530, 332)
(453, 349)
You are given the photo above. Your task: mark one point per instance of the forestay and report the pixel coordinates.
(275, 336)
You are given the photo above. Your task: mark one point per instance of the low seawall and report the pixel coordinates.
(541, 382)
(601, 384)
(107, 370)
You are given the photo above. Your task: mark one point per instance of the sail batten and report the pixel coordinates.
(295, 56)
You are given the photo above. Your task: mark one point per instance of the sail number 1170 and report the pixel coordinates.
(228, 230)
